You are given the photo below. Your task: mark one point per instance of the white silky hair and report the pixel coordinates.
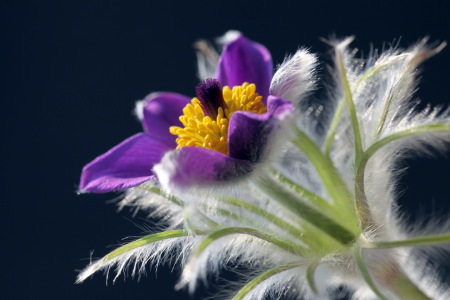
(423, 272)
(384, 95)
(295, 78)
(286, 285)
(389, 92)
(236, 249)
(386, 92)
(157, 207)
(135, 262)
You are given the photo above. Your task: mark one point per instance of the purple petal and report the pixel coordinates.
(278, 107)
(126, 165)
(190, 166)
(245, 61)
(249, 133)
(161, 111)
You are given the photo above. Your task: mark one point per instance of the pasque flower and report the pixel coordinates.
(223, 132)
(316, 208)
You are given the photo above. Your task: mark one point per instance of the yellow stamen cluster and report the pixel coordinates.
(202, 131)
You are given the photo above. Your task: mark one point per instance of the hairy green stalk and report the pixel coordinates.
(329, 175)
(307, 212)
(145, 241)
(358, 255)
(264, 276)
(285, 245)
(307, 234)
(427, 240)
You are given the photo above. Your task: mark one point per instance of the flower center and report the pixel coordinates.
(206, 118)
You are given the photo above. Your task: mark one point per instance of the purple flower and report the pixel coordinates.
(227, 142)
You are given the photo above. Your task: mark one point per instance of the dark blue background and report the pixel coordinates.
(71, 72)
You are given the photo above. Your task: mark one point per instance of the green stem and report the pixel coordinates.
(411, 65)
(428, 128)
(375, 69)
(285, 245)
(372, 71)
(361, 203)
(384, 114)
(304, 193)
(180, 203)
(357, 252)
(159, 191)
(310, 272)
(106, 260)
(307, 234)
(333, 127)
(351, 106)
(397, 282)
(193, 229)
(333, 183)
(145, 241)
(262, 277)
(236, 217)
(418, 241)
(307, 212)
(280, 223)
(340, 214)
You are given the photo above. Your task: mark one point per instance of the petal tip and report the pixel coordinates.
(229, 36)
(191, 167)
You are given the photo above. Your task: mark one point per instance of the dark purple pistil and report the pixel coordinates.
(210, 95)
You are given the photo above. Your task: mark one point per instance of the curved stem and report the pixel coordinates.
(263, 214)
(309, 196)
(427, 128)
(231, 215)
(308, 234)
(339, 213)
(357, 252)
(397, 282)
(310, 272)
(107, 259)
(308, 213)
(372, 71)
(145, 241)
(411, 64)
(260, 278)
(361, 203)
(285, 245)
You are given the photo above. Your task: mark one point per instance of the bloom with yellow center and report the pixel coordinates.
(222, 134)
(206, 118)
